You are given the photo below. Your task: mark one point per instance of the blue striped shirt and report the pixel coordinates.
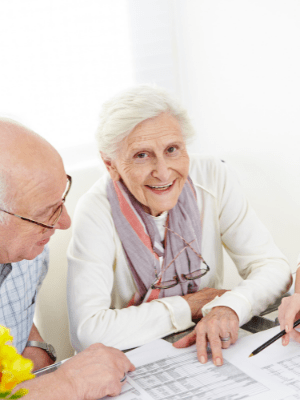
(19, 284)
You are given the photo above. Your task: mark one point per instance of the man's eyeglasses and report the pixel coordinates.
(54, 217)
(190, 276)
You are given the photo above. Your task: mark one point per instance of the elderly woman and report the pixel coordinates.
(146, 257)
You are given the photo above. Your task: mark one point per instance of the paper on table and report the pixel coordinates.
(282, 362)
(166, 373)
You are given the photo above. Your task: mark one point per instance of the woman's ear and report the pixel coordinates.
(111, 167)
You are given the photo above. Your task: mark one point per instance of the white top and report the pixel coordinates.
(100, 283)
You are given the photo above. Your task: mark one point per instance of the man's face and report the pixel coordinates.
(36, 198)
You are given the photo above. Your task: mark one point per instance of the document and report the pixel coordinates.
(281, 362)
(163, 372)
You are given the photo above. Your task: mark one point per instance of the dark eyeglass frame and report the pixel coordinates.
(61, 206)
(189, 277)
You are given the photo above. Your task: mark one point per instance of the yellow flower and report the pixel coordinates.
(14, 368)
(4, 336)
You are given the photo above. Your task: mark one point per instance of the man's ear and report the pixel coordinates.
(111, 167)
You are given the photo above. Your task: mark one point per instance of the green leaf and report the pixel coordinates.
(4, 394)
(20, 393)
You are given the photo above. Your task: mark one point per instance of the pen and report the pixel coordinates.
(272, 340)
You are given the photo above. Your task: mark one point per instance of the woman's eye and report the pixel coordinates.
(172, 149)
(141, 155)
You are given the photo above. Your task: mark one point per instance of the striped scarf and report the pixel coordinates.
(142, 243)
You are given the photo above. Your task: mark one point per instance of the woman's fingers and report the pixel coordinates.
(225, 340)
(288, 312)
(220, 329)
(186, 341)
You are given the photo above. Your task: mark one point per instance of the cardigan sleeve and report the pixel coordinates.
(264, 269)
(93, 262)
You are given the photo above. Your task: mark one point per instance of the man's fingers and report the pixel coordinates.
(131, 367)
(186, 341)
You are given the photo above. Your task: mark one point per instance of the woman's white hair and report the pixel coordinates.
(124, 112)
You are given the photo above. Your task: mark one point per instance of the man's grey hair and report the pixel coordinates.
(124, 112)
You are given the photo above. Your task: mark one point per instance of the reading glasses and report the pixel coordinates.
(54, 217)
(190, 276)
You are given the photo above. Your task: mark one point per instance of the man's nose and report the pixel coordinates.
(64, 221)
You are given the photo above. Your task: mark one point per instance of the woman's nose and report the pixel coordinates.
(161, 170)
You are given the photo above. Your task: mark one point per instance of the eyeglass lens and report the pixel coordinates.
(190, 277)
(55, 217)
(57, 213)
(195, 274)
(166, 284)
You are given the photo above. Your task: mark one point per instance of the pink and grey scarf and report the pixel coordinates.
(142, 243)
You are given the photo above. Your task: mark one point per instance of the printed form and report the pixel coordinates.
(165, 373)
(280, 362)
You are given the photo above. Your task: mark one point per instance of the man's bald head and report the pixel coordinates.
(33, 181)
(23, 154)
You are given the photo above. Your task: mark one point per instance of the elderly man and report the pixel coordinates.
(33, 187)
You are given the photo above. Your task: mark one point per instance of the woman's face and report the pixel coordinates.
(153, 163)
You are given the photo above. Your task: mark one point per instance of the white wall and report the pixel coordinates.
(239, 75)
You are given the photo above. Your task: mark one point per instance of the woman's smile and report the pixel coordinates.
(160, 189)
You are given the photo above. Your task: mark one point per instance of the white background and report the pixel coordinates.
(233, 63)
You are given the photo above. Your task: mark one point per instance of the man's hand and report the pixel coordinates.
(92, 374)
(95, 372)
(39, 357)
(221, 322)
(198, 300)
(288, 312)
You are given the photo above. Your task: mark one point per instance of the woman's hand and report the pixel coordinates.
(198, 300)
(288, 312)
(219, 323)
